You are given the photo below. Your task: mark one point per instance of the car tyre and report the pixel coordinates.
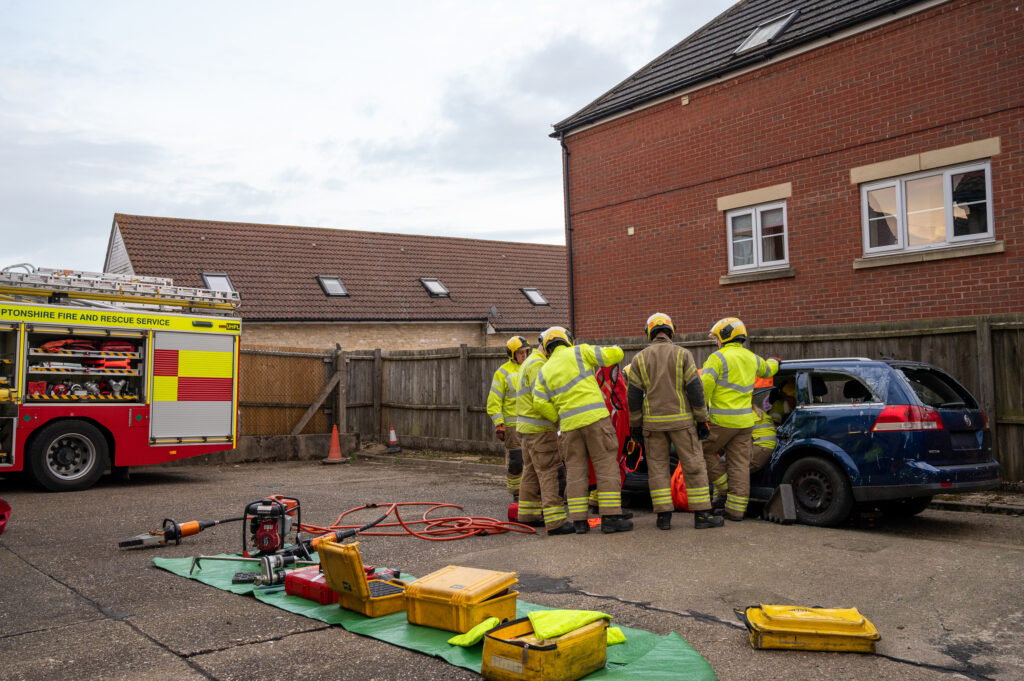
(821, 491)
(68, 455)
(905, 508)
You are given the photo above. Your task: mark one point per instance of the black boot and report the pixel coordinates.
(703, 520)
(718, 501)
(615, 523)
(581, 526)
(664, 521)
(564, 528)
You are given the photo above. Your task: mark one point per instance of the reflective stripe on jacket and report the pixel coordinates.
(501, 401)
(528, 419)
(665, 373)
(764, 430)
(566, 390)
(728, 378)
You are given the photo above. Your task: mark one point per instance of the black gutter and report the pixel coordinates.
(568, 232)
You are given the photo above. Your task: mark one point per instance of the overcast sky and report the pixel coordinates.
(429, 117)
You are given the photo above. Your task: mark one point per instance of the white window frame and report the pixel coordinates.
(755, 213)
(435, 288)
(783, 21)
(900, 184)
(326, 280)
(534, 296)
(207, 276)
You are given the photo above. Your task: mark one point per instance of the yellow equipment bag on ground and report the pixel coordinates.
(512, 652)
(798, 628)
(458, 598)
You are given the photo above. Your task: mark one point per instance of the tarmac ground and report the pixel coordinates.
(943, 588)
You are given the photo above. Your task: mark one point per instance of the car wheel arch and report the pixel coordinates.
(821, 449)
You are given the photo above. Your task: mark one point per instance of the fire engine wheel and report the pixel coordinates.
(68, 456)
(821, 491)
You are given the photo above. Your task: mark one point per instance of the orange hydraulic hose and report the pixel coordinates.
(434, 529)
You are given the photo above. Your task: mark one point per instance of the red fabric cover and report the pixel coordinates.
(5, 513)
(613, 385)
(678, 487)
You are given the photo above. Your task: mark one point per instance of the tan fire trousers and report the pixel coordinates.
(538, 494)
(690, 457)
(598, 441)
(513, 444)
(736, 445)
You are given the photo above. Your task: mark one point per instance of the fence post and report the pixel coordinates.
(987, 379)
(378, 388)
(340, 411)
(463, 393)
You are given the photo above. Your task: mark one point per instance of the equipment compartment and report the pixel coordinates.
(84, 365)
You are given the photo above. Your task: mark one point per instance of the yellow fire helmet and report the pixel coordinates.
(554, 337)
(728, 330)
(514, 344)
(658, 322)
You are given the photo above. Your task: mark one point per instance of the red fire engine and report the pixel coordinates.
(100, 369)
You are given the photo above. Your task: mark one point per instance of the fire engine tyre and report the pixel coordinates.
(68, 456)
(821, 491)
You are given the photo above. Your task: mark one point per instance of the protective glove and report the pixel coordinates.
(637, 433)
(499, 432)
(703, 432)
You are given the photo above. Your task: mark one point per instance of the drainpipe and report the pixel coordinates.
(568, 231)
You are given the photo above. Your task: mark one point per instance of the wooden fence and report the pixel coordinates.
(442, 393)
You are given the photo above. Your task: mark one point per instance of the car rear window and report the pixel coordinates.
(936, 389)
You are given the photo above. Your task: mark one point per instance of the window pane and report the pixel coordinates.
(742, 240)
(926, 227)
(882, 232)
(773, 248)
(881, 202)
(924, 193)
(217, 282)
(773, 240)
(970, 207)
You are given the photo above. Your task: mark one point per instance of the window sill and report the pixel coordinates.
(928, 255)
(761, 275)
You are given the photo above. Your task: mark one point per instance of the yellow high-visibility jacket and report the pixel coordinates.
(566, 390)
(501, 402)
(528, 419)
(764, 430)
(728, 377)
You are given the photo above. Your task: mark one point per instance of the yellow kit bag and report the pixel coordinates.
(512, 652)
(798, 628)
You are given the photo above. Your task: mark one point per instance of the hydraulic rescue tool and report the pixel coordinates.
(171, 531)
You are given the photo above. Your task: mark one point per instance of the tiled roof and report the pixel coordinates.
(274, 268)
(710, 51)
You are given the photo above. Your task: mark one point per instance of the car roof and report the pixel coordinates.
(825, 362)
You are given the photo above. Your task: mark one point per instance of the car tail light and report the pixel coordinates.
(903, 417)
(984, 420)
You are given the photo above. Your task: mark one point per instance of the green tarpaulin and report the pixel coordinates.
(644, 655)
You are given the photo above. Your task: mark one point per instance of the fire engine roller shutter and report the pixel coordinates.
(192, 385)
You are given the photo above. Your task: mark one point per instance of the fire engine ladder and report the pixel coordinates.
(119, 288)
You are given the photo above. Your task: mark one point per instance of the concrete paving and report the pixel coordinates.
(943, 588)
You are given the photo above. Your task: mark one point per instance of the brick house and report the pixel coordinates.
(311, 287)
(805, 163)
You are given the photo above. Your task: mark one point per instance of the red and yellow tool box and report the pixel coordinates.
(459, 598)
(344, 573)
(311, 584)
(798, 628)
(512, 652)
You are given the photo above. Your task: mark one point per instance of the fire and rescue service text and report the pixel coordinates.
(40, 315)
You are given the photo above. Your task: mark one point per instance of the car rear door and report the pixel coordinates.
(964, 436)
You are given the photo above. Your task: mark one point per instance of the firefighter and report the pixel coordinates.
(501, 407)
(764, 441)
(539, 495)
(728, 377)
(666, 404)
(566, 391)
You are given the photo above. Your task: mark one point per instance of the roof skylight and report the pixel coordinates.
(332, 286)
(217, 282)
(767, 31)
(534, 296)
(434, 287)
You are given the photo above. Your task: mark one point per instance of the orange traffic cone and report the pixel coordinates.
(334, 456)
(393, 447)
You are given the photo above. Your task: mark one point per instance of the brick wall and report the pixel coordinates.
(945, 76)
(365, 336)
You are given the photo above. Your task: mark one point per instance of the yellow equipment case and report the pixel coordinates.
(343, 571)
(797, 628)
(513, 653)
(459, 598)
